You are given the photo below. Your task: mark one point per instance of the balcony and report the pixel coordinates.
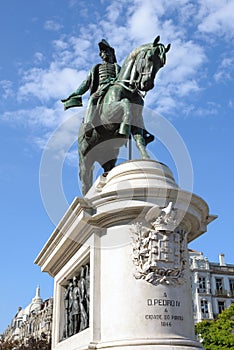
(228, 269)
(206, 316)
(231, 293)
(221, 293)
(203, 291)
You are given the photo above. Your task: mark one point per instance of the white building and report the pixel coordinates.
(33, 321)
(212, 286)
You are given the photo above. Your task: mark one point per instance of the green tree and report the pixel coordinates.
(218, 334)
(9, 345)
(33, 344)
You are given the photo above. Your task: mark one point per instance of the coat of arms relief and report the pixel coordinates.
(160, 247)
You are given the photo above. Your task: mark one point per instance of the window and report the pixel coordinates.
(221, 306)
(202, 284)
(231, 285)
(204, 307)
(219, 284)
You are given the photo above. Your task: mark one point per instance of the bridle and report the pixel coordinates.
(132, 87)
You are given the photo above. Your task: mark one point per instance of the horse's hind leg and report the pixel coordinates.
(108, 166)
(141, 145)
(86, 174)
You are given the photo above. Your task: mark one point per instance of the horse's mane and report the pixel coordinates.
(139, 53)
(130, 59)
(137, 50)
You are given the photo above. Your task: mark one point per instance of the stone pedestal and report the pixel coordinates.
(131, 232)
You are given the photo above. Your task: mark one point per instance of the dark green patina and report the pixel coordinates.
(114, 110)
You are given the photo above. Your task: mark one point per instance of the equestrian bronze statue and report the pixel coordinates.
(114, 110)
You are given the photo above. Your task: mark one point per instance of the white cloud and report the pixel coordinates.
(61, 141)
(81, 51)
(39, 57)
(164, 104)
(65, 133)
(63, 75)
(6, 88)
(113, 11)
(188, 87)
(71, 158)
(52, 25)
(217, 17)
(60, 44)
(36, 117)
(225, 70)
(211, 108)
(73, 2)
(47, 122)
(186, 13)
(143, 22)
(184, 60)
(52, 83)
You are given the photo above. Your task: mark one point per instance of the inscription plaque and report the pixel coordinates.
(167, 312)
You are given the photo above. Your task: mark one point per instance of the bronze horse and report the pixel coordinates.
(119, 113)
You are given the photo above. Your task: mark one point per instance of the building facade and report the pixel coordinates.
(212, 286)
(35, 321)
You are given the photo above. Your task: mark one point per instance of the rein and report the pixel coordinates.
(134, 82)
(132, 90)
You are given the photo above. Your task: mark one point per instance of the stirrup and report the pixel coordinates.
(124, 129)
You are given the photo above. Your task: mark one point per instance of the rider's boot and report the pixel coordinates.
(88, 123)
(140, 143)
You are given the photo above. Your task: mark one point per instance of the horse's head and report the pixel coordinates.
(149, 59)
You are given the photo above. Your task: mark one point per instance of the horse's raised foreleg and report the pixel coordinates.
(133, 122)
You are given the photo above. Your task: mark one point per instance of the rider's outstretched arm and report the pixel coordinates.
(82, 89)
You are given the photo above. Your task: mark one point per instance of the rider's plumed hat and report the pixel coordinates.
(103, 45)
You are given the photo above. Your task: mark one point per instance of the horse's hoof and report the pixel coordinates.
(102, 182)
(146, 156)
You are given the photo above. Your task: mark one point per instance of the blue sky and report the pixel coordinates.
(47, 47)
